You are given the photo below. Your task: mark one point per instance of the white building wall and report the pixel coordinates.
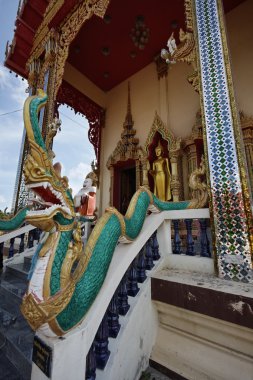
(173, 97)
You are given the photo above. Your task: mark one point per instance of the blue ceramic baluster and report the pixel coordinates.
(113, 316)
(177, 240)
(101, 343)
(30, 239)
(91, 364)
(148, 256)
(22, 243)
(155, 247)
(204, 241)
(141, 268)
(132, 280)
(189, 238)
(11, 248)
(123, 305)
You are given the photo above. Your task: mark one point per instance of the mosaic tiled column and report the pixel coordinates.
(231, 222)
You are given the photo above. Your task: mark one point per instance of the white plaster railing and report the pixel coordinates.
(8, 241)
(70, 352)
(16, 233)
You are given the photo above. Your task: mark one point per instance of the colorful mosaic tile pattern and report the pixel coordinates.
(230, 224)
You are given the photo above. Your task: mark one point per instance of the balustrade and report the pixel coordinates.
(204, 241)
(141, 267)
(149, 255)
(179, 232)
(132, 280)
(99, 352)
(127, 277)
(123, 305)
(185, 241)
(101, 343)
(177, 240)
(191, 240)
(91, 364)
(30, 240)
(155, 247)
(113, 316)
(22, 243)
(11, 248)
(13, 242)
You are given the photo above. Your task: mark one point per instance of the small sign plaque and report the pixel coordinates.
(42, 356)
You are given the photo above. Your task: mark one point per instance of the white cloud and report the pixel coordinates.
(15, 87)
(71, 145)
(4, 77)
(3, 202)
(76, 176)
(11, 128)
(2, 199)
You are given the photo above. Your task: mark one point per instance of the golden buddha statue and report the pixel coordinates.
(161, 174)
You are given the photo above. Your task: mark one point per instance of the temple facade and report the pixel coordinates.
(166, 88)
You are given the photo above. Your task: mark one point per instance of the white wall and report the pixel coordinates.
(199, 347)
(240, 31)
(173, 97)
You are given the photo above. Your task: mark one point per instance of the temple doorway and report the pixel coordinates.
(124, 186)
(128, 188)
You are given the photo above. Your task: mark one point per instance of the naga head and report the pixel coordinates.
(53, 201)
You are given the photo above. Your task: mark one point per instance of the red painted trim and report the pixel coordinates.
(95, 114)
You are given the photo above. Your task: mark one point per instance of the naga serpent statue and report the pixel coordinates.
(67, 277)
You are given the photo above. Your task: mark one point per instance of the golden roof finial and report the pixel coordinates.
(129, 119)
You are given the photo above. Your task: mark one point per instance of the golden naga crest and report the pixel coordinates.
(198, 186)
(51, 192)
(184, 52)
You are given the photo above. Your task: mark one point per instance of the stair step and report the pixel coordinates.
(8, 371)
(16, 270)
(15, 333)
(14, 290)
(152, 374)
(17, 338)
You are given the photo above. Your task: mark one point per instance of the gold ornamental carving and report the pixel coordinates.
(73, 254)
(128, 146)
(174, 143)
(189, 144)
(186, 50)
(247, 131)
(198, 186)
(69, 29)
(161, 67)
(50, 55)
(37, 313)
(34, 68)
(51, 10)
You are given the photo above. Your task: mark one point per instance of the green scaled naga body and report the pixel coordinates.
(59, 296)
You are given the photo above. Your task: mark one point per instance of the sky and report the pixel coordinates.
(71, 145)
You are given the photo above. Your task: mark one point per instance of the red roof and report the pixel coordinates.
(103, 49)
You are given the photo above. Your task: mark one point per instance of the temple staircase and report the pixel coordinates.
(16, 337)
(120, 329)
(122, 342)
